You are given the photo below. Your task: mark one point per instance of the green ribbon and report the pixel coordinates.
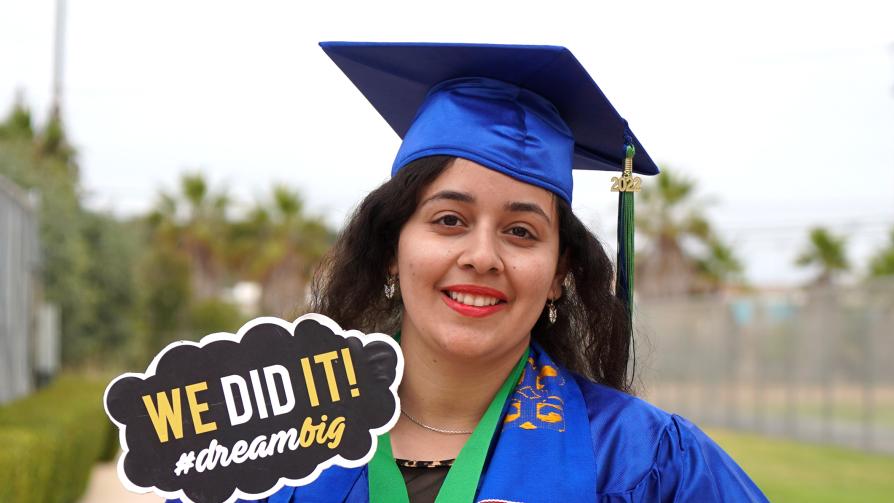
(386, 484)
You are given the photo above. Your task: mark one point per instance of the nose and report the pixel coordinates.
(481, 252)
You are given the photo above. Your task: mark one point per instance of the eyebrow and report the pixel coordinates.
(527, 207)
(450, 195)
(463, 197)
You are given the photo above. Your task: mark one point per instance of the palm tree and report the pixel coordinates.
(719, 265)
(194, 222)
(882, 263)
(277, 246)
(672, 221)
(18, 124)
(827, 252)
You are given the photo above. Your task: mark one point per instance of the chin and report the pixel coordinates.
(465, 350)
(473, 345)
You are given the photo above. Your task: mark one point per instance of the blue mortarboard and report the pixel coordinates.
(531, 112)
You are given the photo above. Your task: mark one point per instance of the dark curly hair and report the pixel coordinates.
(591, 335)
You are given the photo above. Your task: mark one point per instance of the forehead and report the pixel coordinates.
(486, 185)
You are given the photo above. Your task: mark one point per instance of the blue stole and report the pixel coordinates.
(545, 431)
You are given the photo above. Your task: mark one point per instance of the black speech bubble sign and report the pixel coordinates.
(343, 395)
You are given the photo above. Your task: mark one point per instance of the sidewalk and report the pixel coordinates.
(104, 487)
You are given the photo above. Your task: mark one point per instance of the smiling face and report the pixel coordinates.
(477, 262)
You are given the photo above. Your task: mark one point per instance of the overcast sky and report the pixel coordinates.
(783, 111)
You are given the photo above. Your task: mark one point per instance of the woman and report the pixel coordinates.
(516, 349)
(488, 274)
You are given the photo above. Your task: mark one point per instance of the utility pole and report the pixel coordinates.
(891, 51)
(58, 59)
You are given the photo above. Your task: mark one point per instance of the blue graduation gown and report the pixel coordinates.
(566, 439)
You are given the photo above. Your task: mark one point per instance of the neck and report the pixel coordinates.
(447, 391)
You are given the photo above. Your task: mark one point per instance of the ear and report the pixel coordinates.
(555, 289)
(392, 269)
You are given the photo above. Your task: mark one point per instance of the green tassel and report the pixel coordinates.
(624, 278)
(624, 287)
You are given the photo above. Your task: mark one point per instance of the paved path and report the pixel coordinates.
(104, 487)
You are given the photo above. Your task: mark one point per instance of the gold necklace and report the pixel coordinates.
(432, 428)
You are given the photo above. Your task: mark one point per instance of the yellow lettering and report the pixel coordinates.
(165, 414)
(306, 437)
(336, 428)
(321, 434)
(197, 408)
(349, 371)
(326, 360)
(321, 430)
(309, 381)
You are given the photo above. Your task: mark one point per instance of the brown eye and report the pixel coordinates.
(449, 220)
(521, 232)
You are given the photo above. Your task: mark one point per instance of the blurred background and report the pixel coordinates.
(173, 169)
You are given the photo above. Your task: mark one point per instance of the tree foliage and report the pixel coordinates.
(197, 251)
(825, 252)
(194, 222)
(86, 257)
(277, 246)
(682, 252)
(127, 287)
(882, 263)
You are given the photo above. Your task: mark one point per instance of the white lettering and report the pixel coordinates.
(257, 447)
(206, 459)
(282, 439)
(221, 454)
(240, 448)
(276, 406)
(261, 446)
(227, 382)
(259, 393)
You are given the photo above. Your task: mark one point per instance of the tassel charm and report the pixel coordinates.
(627, 182)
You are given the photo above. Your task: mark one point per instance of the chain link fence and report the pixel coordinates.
(813, 365)
(18, 273)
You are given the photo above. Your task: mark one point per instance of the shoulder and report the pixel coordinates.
(615, 412)
(642, 450)
(626, 433)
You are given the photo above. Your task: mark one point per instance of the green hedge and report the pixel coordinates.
(49, 441)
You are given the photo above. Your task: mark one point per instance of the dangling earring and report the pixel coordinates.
(553, 315)
(390, 286)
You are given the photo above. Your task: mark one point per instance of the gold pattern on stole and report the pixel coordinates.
(536, 403)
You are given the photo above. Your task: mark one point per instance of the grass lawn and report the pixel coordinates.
(790, 471)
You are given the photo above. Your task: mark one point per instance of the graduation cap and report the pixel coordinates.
(531, 112)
